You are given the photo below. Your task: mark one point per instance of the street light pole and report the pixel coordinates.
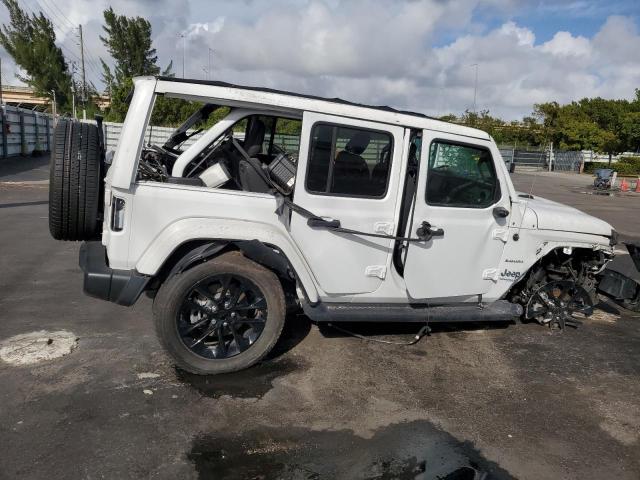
(475, 88)
(184, 50)
(210, 72)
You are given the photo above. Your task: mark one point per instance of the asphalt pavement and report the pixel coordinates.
(506, 400)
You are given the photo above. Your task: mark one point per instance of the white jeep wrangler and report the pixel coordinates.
(373, 215)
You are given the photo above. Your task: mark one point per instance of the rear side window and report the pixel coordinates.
(461, 176)
(346, 161)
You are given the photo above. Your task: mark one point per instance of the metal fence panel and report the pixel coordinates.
(567, 161)
(22, 131)
(531, 159)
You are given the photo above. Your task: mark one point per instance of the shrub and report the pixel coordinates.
(625, 166)
(628, 166)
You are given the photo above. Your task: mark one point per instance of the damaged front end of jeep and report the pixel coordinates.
(621, 280)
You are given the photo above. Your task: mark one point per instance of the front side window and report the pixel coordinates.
(461, 176)
(349, 161)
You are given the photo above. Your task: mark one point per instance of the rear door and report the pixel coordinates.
(348, 170)
(463, 195)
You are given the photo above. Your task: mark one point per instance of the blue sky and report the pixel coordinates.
(581, 17)
(546, 18)
(412, 54)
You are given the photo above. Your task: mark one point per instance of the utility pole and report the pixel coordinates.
(53, 92)
(84, 80)
(73, 89)
(73, 99)
(1, 101)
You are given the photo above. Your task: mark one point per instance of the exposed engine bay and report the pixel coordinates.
(561, 288)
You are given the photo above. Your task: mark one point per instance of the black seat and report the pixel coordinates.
(380, 172)
(252, 176)
(320, 159)
(254, 137)
(350, 169)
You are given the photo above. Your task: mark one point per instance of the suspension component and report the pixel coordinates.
(559, 304)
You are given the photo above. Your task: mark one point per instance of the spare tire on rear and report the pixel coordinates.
(75, 182)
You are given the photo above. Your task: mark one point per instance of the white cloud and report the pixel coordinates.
(384, 56)
(563, 44)
(523, 36)
(383, 51)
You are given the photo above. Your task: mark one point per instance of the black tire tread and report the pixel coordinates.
(74, 181)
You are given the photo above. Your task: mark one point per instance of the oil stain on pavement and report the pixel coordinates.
(253, 382)
(414, 450)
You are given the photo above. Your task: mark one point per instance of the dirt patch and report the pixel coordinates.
(37, 347)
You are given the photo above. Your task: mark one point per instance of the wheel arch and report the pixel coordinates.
(196, 231)
(596, 256)
(194, 252)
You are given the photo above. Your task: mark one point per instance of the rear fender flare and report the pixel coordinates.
(255, 250)
(262, 244)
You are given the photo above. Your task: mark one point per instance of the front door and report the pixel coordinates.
(463, 196)
(348, 170)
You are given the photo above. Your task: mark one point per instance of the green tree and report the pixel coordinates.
(630, 130)
(31, 41)
(128, 40)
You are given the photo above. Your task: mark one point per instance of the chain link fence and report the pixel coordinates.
(25, 131)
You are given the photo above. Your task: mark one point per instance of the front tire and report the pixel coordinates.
(221, 316)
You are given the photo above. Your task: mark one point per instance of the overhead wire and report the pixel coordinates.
(64, 25)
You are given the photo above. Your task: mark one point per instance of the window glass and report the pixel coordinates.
(461, 176)
(349, 161)
(267, 137)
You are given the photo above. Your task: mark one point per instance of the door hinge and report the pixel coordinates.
(490, 274)
(379, 271)
(500, 234)
(383, 227)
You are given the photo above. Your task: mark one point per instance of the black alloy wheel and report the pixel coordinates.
(560, 304)
(222, 316)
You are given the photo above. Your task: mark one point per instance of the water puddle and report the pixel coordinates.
(414, 450)
(253, 382)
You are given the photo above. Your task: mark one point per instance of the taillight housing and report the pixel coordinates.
(117, 214)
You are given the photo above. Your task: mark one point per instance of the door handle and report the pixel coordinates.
(500, 212)
(317, 222)
(426, 232)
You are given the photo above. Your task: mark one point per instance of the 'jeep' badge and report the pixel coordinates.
(510, 275)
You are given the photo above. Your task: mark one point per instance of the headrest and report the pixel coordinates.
(358, 143)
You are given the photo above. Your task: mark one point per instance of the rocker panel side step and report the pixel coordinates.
(498, 311)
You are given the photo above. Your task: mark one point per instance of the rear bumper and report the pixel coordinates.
(118, 286)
